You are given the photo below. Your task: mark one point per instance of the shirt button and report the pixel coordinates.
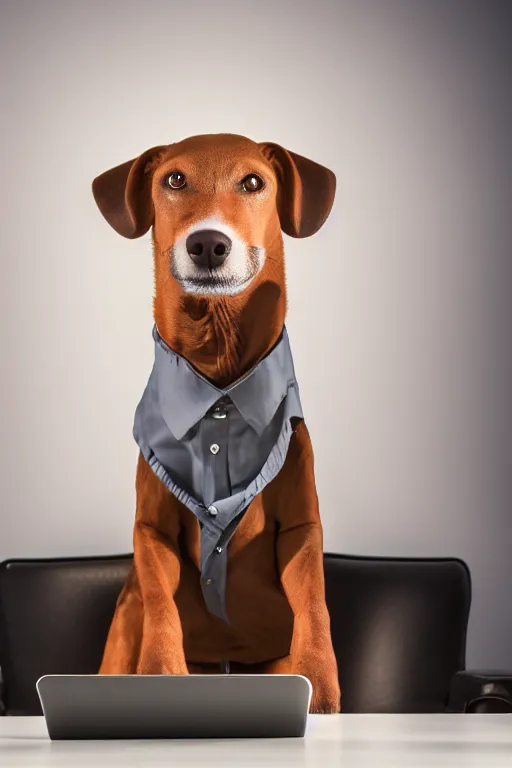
(219, 412)
(214, 448)
(208, 581)
(219, 549)
(212, 510)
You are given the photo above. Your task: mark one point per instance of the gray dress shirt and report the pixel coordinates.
(216, 449)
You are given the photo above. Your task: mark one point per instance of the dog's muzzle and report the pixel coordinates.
(208, 248)
(210, 257)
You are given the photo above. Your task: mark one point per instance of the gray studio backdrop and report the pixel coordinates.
(399, 314)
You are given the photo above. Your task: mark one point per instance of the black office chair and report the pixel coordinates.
(398, 628)
(54, 618)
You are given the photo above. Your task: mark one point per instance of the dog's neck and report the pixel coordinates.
(223, 336)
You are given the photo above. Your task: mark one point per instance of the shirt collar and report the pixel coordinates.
(185, 395)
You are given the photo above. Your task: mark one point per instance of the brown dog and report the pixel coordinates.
(217, 205)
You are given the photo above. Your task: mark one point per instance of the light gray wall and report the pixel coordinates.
(399, 308)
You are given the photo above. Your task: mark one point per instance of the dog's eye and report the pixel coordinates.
(252, 183)
(176, 180)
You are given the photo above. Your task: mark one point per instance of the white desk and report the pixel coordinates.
(340, 741)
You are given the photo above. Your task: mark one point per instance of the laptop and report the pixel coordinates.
(174, 706)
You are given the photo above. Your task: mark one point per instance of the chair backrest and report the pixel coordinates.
(399, 630)
(54, 619)
(398, 626)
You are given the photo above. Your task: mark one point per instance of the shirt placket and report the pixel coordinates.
(215, 436)
(216, 485)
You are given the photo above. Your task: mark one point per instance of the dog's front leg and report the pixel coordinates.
(157, 562)
(146, 635)
(301, 567)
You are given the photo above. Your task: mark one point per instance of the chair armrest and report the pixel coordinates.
(492, 688)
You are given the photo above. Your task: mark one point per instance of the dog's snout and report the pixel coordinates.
(208, 247)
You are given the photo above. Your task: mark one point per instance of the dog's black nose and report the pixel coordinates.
(208, 248)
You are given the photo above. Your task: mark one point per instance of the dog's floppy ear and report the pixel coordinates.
(123, 194)
(306, 190)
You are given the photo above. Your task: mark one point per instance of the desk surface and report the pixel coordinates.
(365, 741)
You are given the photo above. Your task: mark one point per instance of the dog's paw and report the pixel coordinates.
(323, 676)
(322, 673)
(325, 706)
(326, 698)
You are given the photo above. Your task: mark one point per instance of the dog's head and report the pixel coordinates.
(217, 204)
